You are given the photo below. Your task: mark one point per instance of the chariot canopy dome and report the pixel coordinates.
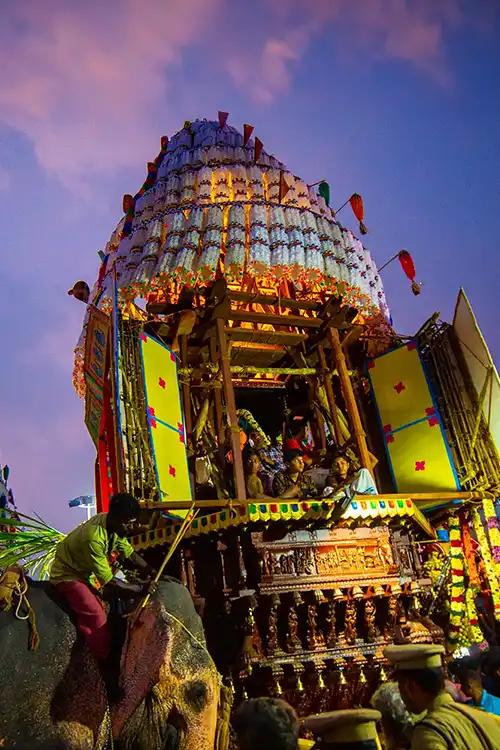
(213, 204)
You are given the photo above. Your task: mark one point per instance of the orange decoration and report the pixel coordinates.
(223, 118)
(258, 149)
(247, 132)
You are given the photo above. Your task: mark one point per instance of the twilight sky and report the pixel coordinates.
(396, 99)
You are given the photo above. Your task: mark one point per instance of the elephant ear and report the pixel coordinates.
(146, 649)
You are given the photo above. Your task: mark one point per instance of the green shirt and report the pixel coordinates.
(84, 552)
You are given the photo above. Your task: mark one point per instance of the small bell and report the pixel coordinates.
(416, 288)
(362, 677)
(299, 686)
(357, 592)
(338, 595)
(342, 679)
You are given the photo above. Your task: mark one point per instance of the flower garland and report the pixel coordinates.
(457, 587)
(489, 563)
(493, 531)
(475, 634)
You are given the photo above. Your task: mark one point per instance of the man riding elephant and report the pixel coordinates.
(54, 698)
(83, 573)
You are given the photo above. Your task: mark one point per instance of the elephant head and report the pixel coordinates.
(166, 661)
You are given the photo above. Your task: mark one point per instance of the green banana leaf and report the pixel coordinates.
(29, 542)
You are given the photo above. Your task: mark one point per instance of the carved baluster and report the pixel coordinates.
(350, 620)
(184, 579)
(372, 631)
(241, 565)
(221, 547)
(330, 621)
(293, 643)
(315, 638)
(392, 614)
(272, 645)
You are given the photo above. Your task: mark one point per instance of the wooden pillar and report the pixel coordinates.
(349, 397)
(330, 396)
(219, 413)
(227, 383)
(186, 391)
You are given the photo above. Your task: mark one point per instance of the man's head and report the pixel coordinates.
(122, 513)
(294, 460)
(419, 673)
(341, 466)
(256, 438)
(467, 672)
(253, 464)
(266, 724)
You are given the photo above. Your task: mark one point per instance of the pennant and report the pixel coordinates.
(127, 203)
(247, 132)
(151, 167)
(284, 186)
(358, 210)
(257, 149)
(324, 191)
(223, 118)
(164, 142)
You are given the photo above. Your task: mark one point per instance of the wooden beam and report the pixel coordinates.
(219, 413)
(349, 397)
(326, 379)
(273, 300)
(287, 321)
(227, 383)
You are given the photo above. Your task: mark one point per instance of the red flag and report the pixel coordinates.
(284, 186)
(152, 167)
(247, 132)
(127, 203)
(258, 149)
(223, 118)
(164, 142)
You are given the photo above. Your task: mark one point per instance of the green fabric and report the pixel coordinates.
(84, 552)
(324, 191)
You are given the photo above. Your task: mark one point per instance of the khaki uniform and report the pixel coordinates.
(354, 728)
(453, 726)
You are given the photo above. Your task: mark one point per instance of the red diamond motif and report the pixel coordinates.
(172, 356)
(399, 387)
(389, 438)
(419, 465)
(144, 337)
(152, 422)
(171, 470)
(433, 421)
(162, 383)
(151, 411)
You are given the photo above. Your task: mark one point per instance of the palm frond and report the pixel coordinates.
(30, 542)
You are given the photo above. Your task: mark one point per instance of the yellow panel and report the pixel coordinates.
(171, 464)
(400, 387)
(420, 460)
(160, 377)
(165, 420)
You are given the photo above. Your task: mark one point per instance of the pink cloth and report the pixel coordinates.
(91, 619)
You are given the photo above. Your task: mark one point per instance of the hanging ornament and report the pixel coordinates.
(164, 142)
(247, 132)
(80, 291)
(358, 210)
(223, 118)
(257, 149)
(408, 267)
(324, 191)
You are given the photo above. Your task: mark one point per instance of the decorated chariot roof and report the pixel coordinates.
(215, 203)
(366, 509)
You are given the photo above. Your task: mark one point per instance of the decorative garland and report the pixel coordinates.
(493, 531)
(475, 634)
(492, 568)
(457, 587)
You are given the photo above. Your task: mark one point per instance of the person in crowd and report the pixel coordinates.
(490, 666)
(467, 672)
(83, 574)
(446, 725)
(292, 483)
(351, 729)
(397, 722)
(254, 486)
(348, 478)
(266, 724)
(271, 458)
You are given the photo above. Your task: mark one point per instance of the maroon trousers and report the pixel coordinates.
(91, 618)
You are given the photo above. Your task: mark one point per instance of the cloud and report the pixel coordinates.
(410, 31)
(86, 81)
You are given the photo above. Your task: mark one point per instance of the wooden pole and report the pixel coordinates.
(227, 383)
(219, 414)
(186, 390)
(349, 397)
(330, 396)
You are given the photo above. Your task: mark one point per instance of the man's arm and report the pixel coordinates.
(140, 564)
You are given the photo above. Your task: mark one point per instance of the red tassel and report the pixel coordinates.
(362, 228)
(247, 132)
(258, 149)
(223, 118)
(358, 209)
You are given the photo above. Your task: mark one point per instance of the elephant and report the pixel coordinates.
(55, 698)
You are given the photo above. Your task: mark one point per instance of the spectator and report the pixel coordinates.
(266, 724)
(467, 672)
(292, 483)
(397, 722)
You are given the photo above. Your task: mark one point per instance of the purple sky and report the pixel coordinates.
(396, 99)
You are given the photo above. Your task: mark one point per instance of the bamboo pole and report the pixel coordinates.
(219, 414)
(330, 396)
(186, 391)
(227, 383)
(349, 397)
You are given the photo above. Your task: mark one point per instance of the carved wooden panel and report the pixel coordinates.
(327, 558)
